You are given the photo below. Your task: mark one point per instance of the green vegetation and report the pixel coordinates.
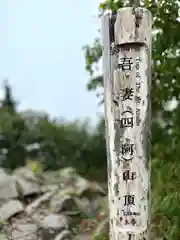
(53, 142)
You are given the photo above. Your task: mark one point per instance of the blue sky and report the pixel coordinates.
(41, 54)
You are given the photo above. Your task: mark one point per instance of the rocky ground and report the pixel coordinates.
(59, 205)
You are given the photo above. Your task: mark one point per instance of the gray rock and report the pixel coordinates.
(31, 208)
(25, 173)
(27, 183)
(64, 235)
(10, 208)
(46, 207)
(26, 231)
(62, 203)
(8, 188)
(27, 188)
(89, 208)
(55, 221)
(48, 188)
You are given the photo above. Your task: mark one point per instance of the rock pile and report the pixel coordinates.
(45, 206)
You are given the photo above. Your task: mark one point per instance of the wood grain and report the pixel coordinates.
(127, 83)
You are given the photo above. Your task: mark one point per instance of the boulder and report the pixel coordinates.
(8, 188)
(55, 221)
(26, 181)
(32, 209)
(11, 208)
(61, 203)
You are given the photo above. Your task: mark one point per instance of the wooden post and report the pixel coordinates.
(127, 81)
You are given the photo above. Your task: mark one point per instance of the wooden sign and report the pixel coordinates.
(127, 80)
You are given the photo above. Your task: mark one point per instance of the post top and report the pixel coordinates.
(133, 25)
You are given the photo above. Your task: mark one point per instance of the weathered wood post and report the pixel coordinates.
(127, 80)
